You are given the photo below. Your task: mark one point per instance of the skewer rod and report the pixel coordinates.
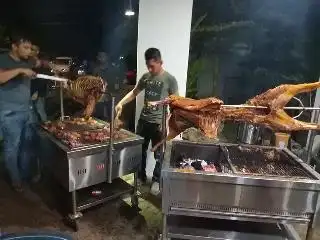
(249, 106)
(263, 107)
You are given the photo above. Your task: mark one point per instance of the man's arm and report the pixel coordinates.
(173, 86)
(133, 93)
(7, 75)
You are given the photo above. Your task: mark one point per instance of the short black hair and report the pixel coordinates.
(19, 38)
(152, 54)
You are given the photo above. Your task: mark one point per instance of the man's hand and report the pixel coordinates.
(34, 96)
(27, 72)
(118, 110)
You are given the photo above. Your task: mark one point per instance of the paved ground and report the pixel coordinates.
(41, 209)
(116, 220)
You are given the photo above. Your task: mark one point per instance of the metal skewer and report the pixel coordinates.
(249, 106)
(263, 107)
(111, 147)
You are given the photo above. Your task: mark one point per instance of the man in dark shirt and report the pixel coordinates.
(15, 74)
(38, 89)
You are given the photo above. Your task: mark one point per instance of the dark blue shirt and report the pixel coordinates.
(14, 94)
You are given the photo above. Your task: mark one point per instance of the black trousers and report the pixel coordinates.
(150, 132)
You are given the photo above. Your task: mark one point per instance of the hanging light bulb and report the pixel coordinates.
(129, 12)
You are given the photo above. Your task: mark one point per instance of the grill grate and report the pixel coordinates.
(237, 210)
(258, 161)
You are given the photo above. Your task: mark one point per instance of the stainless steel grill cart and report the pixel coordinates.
(94, 169)
(252, 184)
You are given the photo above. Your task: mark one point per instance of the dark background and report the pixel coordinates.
(251, 46)
(73, 27)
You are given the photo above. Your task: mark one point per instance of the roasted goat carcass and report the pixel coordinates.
(185, 113)
(207, 114)
(87, 90)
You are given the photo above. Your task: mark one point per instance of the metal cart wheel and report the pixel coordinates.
(75, 225)
(161, 237)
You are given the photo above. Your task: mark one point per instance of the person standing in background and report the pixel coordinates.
(158, 84)
(103, 68)
(38, 89)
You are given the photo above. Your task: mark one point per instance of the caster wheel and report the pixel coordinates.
(135, 201)
(162, 238)
(72, 223)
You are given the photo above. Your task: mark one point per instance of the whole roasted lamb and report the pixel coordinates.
(86, 90)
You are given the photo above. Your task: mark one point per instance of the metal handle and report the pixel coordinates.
(301, 104)
(111, 149)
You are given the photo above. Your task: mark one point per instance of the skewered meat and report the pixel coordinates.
(207, 114)
(87, 90)
(187, 113)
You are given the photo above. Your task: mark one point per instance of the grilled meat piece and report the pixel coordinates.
(71, 132)
(207, 114)
(87, 90)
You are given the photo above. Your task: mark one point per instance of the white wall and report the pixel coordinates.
(166, 25)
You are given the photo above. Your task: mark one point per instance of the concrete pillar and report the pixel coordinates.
(165, 24)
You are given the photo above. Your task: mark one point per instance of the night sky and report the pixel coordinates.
(68, 27)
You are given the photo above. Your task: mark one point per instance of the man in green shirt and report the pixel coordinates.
(158, 84)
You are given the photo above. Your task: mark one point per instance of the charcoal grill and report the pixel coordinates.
(255, 183)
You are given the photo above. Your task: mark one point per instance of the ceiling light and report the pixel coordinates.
(129, 13)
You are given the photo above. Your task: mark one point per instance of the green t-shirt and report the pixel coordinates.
(156, 88)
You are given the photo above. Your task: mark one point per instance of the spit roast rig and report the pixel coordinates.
(231, 191)
(87, 156)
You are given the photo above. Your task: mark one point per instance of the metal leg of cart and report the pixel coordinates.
(134, 196)
(164, 235)
(75, 216)
(310, 232)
